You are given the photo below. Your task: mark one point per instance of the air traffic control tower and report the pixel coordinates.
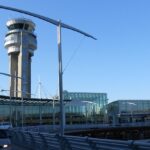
(20, 41)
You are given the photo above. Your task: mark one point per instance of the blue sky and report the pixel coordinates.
(118, 63)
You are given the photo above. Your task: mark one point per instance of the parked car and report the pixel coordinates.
(5, 125)
(5, 142)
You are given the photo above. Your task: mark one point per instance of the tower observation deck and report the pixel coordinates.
(20, 41)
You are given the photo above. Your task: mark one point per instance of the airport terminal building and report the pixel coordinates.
(80, 108)
(128, 111)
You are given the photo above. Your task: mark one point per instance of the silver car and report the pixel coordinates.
(5, 143)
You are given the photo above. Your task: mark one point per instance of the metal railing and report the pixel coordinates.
(43, 141)
(55, 128)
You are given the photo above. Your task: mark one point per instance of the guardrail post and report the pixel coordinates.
(132, 146)
(91, 143)
(32, 142)
(44, 142)
(14, 136)
(63, 142)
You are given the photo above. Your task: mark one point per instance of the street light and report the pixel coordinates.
(22, 93)
(10, 119)
(54, 99)
(10, 112)
(11, 76)
(59, 25)
(22, 107)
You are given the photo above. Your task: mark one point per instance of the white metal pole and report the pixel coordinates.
(60, 80)
(53, 113)
(40, 111)
(10, 103)
(16, 77)
(22, 107)
(16, 94)
(22, 88)
(10, 100)
(16, 119)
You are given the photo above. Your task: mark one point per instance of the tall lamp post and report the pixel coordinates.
(10, 104)
(10, 111)
(13, 76)
(59, 26)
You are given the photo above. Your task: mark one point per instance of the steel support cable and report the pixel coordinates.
(71, 58)
(74, 53)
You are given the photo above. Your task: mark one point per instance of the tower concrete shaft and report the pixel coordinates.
(20, 42)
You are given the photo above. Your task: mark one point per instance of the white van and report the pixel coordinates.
(5, 125)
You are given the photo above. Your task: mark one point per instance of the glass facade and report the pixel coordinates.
(86, 107)
(79, 108)
(125, 111)
(32, 112)
(99, 99)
